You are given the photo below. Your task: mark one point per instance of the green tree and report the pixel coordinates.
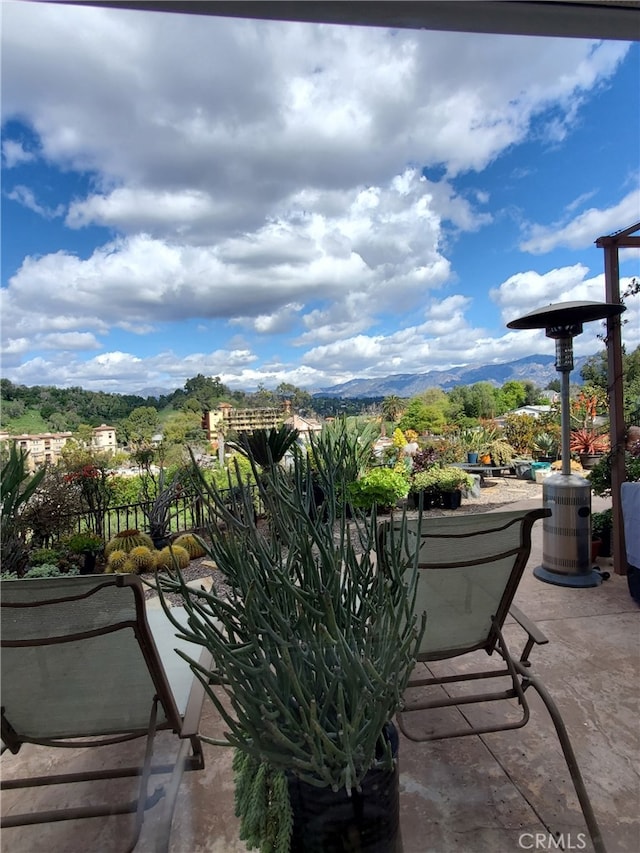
(207, 391)
(89, 472)
(183, 428)
(300, 400)
(420, 417)
(392, 407)
(512, 395)
(141, 425)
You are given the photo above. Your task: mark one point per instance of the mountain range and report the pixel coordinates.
(539, 369)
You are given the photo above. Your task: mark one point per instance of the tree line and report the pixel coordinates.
(177, 414)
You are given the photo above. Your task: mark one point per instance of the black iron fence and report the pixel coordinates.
(188, 512)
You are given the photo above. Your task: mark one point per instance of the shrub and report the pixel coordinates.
(424, 459)
(381, 486)
(167, 558)
(600, 474)
(81, 543)
(601, 522)
(127, 540)
(192, 544)
(39, 556)
(452, 479)
(45, 570)
(425, 481)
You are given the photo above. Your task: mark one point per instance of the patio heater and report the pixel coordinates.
(566, 541)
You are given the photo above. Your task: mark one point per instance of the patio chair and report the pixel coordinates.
(85, 664)
(469, 569)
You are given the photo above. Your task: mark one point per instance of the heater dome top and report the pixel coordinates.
(566, 314)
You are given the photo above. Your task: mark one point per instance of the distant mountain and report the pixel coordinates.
(539, 369)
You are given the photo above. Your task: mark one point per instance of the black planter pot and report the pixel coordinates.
(605, 545)
(429, 500)
(366, 821)
(451, 500)
(160, 542)
(89, 565)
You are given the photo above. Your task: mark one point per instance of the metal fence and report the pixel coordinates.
(188, 512)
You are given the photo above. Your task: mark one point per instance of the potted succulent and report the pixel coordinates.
(88, 544)
(601, 527)
(470, 441)
(159, 511)
(589, 446)
(312, 651)
(546, 447)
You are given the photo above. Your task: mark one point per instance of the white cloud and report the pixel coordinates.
(14, 154)
(25, 197)
(585, 228)
(216, 105)
(250, 187)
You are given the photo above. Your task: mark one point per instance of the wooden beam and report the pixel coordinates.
(617, 431)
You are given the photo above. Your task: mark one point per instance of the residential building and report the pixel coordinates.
(45, 448)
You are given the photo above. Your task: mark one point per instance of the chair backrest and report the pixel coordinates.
(469, 570)
(79, 660)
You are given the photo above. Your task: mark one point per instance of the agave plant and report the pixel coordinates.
(588, 442)
(266, 446)
(17, 485)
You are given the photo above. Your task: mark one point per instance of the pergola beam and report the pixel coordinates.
(608, 19)
(617, 431)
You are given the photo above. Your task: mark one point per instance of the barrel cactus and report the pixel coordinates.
(169, 556)
(127, 540)
(116, 561)
(192, 544)
(143, 558)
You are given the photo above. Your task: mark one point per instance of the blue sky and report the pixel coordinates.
(274, 202)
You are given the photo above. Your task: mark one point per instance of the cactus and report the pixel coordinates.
(172, 554)
(143, 558)
(315, 646)
(127, 540)
(192, 544)
(116, 561)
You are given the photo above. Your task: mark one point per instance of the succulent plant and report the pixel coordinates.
(172, 554)
(192, 544)
(143, 558)
(127, 540)
(315, 645)
(116, 561)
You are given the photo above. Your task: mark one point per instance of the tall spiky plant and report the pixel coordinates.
(17, 485)
(315, 644)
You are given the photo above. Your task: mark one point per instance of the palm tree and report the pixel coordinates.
(392, 407)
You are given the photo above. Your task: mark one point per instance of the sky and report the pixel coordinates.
(274, 202)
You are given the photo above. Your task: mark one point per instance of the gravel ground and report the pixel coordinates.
(496, 492)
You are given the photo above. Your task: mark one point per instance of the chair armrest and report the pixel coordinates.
(535, 634)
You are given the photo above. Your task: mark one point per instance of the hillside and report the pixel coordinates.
(538, 369)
